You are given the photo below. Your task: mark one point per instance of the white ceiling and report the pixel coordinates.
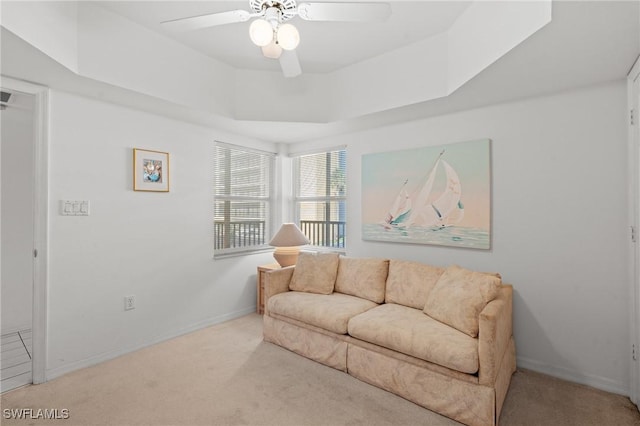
(587, 43)
(324, 46)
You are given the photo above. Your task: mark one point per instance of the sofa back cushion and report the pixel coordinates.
(315, 273)
(362, 277)
(409, 283)
(460, 295)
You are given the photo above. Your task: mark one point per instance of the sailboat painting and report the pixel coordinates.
(433, 195)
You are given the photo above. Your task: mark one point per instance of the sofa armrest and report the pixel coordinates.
(496, 328)
(275, 282)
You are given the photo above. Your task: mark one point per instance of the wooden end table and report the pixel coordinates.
(262, 270)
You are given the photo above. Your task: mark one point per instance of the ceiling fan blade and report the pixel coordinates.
(209, 20)
(345, 12)
(290, 64)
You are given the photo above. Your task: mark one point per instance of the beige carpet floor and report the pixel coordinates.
(226, 375)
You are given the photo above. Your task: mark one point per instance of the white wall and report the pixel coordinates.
(156, 246)
(559, 228)
(17, 218)
(559, 222)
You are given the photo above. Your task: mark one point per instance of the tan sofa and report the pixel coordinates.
(439, 337)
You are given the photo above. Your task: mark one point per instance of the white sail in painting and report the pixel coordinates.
(400, 209)
(445, 210)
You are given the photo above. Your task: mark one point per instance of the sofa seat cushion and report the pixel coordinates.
(330, 312)
(411, 332)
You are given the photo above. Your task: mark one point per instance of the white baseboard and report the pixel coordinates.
(571, 375)
(88, 362)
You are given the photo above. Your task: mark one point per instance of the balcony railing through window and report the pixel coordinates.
(245, 233)
(324, 233)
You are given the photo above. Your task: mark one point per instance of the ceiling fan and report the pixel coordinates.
(270, 30)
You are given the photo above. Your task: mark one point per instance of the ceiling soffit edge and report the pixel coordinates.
(117, 51)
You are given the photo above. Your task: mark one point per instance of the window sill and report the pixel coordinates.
(313, 249)
(321, 249)
(220, 256)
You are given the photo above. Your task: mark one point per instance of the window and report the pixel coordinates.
(321, 197)
(243, 194)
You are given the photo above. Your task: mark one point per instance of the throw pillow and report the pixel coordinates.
(459, 296)
(409, 283)
(315, 273)
(362, 277)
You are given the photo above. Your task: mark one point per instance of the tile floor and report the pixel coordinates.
(15, 359)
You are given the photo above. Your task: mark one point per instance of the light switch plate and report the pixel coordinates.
(74, 208)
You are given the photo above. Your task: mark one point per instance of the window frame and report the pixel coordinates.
(269, 199)
(327, 199)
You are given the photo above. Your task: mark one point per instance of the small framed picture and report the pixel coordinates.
(150, 170)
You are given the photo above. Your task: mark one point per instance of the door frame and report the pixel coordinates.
(633, 100)
(40, 222)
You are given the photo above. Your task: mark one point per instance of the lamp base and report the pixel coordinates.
(286, 256)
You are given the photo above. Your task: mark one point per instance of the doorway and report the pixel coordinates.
(24, 109)
(17, 124)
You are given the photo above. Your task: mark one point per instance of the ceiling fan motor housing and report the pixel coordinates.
(272, 15)
(287, 8)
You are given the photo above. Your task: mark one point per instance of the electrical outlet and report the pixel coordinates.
(129, 303)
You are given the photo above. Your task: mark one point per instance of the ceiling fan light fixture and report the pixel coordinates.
(261, 32)
(271, 31)
(288, 36)
(272, 50)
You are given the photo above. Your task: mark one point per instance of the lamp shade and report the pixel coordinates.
(261, 32)
(272, 50)
(286, 242)
(289, 235)
(288, 37)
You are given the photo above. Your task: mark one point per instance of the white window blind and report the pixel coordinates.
(320, 197)
(243, 196)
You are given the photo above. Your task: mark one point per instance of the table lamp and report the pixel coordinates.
(287, 242)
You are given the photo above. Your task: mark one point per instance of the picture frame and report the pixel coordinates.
(150, 170)
(434, 195)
